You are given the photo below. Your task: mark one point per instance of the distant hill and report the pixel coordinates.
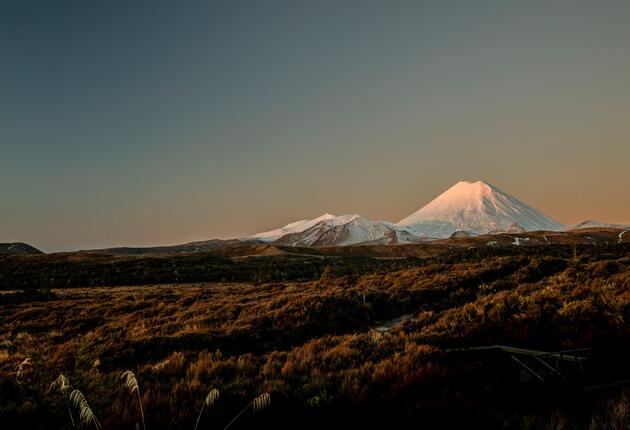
(274, 262)
(18, 248)
(235, 249)
(202, 246)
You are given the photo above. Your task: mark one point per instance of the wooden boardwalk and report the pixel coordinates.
(541, 365)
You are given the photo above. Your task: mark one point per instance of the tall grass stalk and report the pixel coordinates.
(257, 405)
(86, 416)
(62, 384)
(131, 383)
(211, 397)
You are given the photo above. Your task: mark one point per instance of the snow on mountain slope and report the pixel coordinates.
(596, 224)
(467, 207)
(294, 227)
(354, 231)
(476, 207)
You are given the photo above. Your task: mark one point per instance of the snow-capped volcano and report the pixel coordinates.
(475, 207)
(469, 208)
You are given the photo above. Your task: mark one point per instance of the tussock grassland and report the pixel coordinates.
(311, 345)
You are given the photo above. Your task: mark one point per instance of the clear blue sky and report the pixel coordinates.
(157, 122)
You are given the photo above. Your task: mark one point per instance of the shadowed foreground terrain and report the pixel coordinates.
(318, 337)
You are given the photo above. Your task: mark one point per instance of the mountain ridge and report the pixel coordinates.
(466, 210)
(358, 230)
(596, 224)
(470, 208)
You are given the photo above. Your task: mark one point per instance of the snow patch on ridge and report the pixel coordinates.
(293, 227)
(343, 230)
(596, 224)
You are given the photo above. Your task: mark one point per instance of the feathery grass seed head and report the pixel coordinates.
(22, 367)
(213, 396)
(261, 402)
(62, 383)
(131, 383)
(86, 416)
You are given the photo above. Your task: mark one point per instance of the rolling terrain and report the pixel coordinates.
(477, 311)
(337, 339)
(261, 262)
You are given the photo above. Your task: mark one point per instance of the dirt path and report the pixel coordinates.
(388, 324)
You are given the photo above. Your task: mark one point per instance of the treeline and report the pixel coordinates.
(88, 270)
(74, 270)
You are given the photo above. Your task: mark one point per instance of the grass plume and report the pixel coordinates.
(131, 384)
(257, 405)
(86, 416)
(62, 384)
(21, 368)
(211, 397)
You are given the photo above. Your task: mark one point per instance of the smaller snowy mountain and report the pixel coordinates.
(596, 224)
(299, 226)
(18, 248)
(478, 208)
(347, 230)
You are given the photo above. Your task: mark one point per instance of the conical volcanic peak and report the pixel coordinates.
(477, 207)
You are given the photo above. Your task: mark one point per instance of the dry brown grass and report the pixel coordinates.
(310, 346)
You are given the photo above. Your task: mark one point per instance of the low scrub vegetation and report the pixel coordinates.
(321, 348)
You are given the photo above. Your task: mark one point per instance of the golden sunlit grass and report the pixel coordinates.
(315, 349)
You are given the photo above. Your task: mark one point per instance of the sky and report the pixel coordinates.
(157, 122)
